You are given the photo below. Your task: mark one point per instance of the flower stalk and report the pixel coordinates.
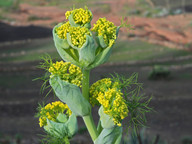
(88, 119)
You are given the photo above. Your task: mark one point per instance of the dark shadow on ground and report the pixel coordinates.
(12, 33)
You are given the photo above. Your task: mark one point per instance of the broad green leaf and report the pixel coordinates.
(106, 120)
(71, 95)
(110, 136)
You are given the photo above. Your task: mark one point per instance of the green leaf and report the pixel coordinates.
(62, 129)
(72, 22)
(101, 41)
(110, 136)
(117, 31)
(88, 25)
(86, 52)
(106, 120)
(60, 42)
(71, 95)
(63, 48)
(72, 125)
(101, 58)
(56, 129)
(62, 118)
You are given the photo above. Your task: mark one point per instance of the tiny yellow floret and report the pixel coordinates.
(67, 72)
(80, 16)
(62, 30)
(78, 35)
(106, 29)
(107, 93)
(51, 111)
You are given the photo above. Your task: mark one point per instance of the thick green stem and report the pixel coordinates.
(88, 119)
(91, 126)
(85, 84)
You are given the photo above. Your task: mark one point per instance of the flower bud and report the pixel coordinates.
(58, 120)
(63, 128)
(80, 17)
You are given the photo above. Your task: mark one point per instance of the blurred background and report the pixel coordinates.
(159, 49)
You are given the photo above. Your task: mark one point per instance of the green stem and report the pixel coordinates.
(91, 126)
(88, 119)
(66, 140)
(85, 84)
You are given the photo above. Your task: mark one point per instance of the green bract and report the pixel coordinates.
(106, 120)
(109, 136)
(63, 48)
(71, 95)
(82, 57)
(63, 128)
(86, 54)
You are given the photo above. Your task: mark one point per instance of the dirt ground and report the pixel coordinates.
(172, 97)
(174, 31)
(171, 101)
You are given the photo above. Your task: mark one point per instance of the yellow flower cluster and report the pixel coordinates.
(51, 112)
(113, 104)
(98, 87)
(78, 35)
(67, 72)
(80, 16)
(106, 29)
(63, 30)
(111, 98)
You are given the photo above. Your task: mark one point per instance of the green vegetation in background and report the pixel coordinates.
(6, 3)
(172, 3)
(123, 51)
(34, 18)
(31, 51)
(157, 8)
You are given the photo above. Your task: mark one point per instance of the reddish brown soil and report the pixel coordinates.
(172, 31)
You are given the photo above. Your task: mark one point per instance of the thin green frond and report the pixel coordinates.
(137, 102)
